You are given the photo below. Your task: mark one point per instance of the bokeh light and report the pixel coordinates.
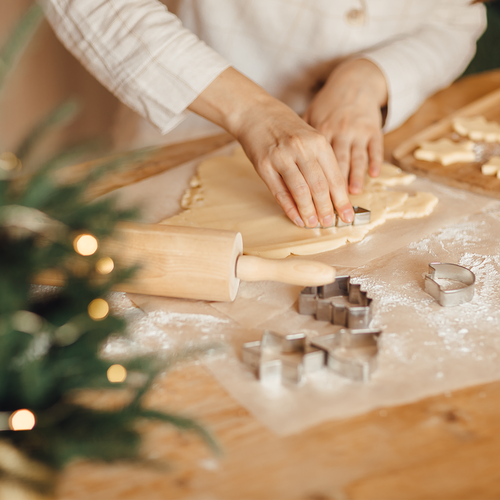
(85, 244)
(105, 265)
(117, 374)
(9, 161)
(98, 309)
(22, 420)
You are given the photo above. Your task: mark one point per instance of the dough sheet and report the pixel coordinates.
(228, 194)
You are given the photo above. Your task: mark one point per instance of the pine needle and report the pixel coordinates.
(18, 40)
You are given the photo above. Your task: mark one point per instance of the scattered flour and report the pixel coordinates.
(159, 331)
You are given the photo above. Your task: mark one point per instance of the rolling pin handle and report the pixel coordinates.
(291, 271)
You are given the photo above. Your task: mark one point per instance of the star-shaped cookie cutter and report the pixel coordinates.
(282, 358)
(289, 358)
(351, 353)
(316, 300)
(450, 297)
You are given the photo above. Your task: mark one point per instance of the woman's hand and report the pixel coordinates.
(294, 160)
(347, 111)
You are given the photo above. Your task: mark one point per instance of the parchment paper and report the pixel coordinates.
(426, 349)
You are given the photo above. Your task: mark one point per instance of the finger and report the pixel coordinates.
(320, 191)
(376, 154)
(342, 149)
(359, 166)
(299, 189)
(282, 195)
(337, 185)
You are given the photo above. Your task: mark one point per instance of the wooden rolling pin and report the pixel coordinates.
(203, 264)
(195, 263)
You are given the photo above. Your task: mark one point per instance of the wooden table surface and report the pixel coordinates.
(443, 447)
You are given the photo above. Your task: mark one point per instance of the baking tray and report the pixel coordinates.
(462, 175)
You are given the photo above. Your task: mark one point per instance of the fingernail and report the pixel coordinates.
(327, 221)
(312, 221)
(299, 222)
(355, 187)
(347, 215)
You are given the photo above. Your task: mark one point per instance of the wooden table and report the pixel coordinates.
(444, 447)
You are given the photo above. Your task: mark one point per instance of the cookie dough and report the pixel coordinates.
(492, 166)
(228, 194)
(477, 128)
(446, 152)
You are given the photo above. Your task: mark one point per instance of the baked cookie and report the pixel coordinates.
(477, 128)
(446, 152)
(492, 166)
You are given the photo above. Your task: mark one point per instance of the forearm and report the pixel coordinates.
(235, 102)
(140, 51)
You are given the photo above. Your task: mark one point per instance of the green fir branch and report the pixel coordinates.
(49, 345)
(18, 41)
(61, 115)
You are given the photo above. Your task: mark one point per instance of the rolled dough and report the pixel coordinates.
(228, 194)
(446, 152)
(477, 128)
(492, 166)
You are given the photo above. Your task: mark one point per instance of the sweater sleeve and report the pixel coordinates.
(417, 65)
(140, 51)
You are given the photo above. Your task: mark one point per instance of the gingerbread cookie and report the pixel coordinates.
(492, 166)
(446, 152)
(477, 128)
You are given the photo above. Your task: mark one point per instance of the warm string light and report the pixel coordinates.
(117, 374)
(105, 265)
(98, 309)
(22, 420)
(85, 244)
(9, 162)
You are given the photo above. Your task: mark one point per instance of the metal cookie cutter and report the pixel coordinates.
(282, 358)
(450, 297)
(361, 216)
(351, 353)
(317, 301)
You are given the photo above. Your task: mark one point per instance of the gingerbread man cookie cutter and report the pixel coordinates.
(454, 296)
(317, 301)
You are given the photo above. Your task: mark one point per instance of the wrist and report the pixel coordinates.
(361, 76)
(232, 101)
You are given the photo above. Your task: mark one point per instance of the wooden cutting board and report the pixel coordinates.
(462, 175)
(134, 166)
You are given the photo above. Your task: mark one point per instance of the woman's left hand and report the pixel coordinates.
(347, 111)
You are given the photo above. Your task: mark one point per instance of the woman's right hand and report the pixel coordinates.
(295, 161)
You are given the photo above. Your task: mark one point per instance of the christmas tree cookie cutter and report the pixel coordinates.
(317, 301)
(454, 296)
(284, 358)
(350, 352)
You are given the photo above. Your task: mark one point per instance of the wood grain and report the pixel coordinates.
(441, 448)
(129, 168)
